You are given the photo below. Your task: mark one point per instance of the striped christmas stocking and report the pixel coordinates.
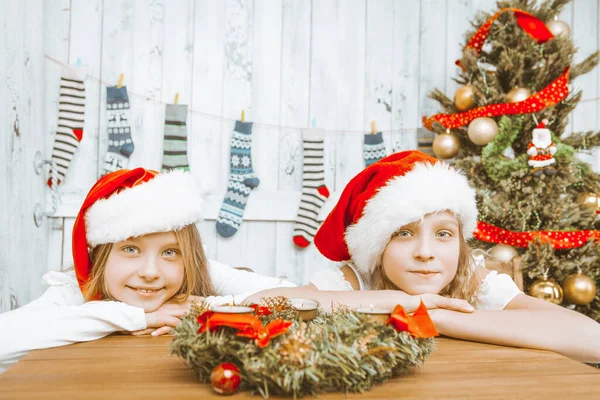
(175, 143)
(69, 132)
(314, 191)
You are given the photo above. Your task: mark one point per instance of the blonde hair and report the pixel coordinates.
(463, 285)
(196, 279)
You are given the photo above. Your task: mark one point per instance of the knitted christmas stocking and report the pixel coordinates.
(69, 132)
(241, 181)
(120, 145)
(373, 148)
(175, 143)
(314, 191)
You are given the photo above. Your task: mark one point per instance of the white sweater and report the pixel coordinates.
(61, 316)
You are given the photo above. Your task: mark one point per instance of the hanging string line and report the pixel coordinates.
(255, 124)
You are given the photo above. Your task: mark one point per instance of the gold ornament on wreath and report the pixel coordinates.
(558, 27)
(482, 130)
(464, 98)
(517, 94)
(446, 145)
(546, 289)
(579, 289)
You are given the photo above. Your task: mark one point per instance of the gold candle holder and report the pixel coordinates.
(378, 316)
(307, 308)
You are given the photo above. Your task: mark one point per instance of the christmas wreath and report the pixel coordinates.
(273, 351)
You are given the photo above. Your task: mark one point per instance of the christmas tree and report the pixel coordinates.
(506, 128)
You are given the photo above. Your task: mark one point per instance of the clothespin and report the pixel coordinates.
(243, 117)
(78, 62)
(121, 77)
(314, 122)
(373, 128)
(176, 98)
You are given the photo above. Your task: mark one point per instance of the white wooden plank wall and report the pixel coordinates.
(285, 62)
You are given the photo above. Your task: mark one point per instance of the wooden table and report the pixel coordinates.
(124, 367)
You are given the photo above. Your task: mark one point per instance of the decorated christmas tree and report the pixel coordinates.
(507, 129)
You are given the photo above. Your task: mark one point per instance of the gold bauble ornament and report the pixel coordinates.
(547, 289)
(559, 28)
(503, 253)
(482, 130)
(445, 146)
(464, 98)
(579, 289)
(590, 200)
(517, 94)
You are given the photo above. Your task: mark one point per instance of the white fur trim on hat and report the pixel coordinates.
(167, 202)
(425, 189)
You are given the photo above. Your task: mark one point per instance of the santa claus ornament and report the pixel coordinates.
(541, 151)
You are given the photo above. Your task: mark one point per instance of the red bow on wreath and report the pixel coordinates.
(263, 334)
(260, 310)
(248, 326)
(419, 324)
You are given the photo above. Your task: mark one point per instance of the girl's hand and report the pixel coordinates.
(167, 316)
(154, 332)
(433, 301)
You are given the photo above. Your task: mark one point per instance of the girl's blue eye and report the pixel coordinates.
(130, 249)
(403, 233)
(170, 253)
(444, 234)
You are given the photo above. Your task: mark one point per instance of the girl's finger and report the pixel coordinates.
(162, 331)
(143, 332)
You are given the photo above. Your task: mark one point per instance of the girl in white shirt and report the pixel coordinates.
(139, 265)
(401, 225)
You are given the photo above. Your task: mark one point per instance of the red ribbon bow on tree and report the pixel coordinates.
(419, 324)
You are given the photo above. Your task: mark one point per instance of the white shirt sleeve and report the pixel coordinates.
(60, 317)
(495, 292)
(233, 286)
(332, 278)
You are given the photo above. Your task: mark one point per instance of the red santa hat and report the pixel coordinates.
(542, 126)
(128, 203)
(387, 195)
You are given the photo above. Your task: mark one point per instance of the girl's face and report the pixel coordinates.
(145, 271)
(422, 257)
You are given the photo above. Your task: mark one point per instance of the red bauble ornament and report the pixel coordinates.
(225, 378)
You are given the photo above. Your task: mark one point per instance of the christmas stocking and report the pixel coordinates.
(120, 145)
(69, 132)
(373, 148)
(241, 180)
(314, 191)
(175, 143)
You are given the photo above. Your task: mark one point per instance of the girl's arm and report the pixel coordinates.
(233, 285)
(366, 298)
(44, 325)
(526, 322)
(61, 317)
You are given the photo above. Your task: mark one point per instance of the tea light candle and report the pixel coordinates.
(307, 308)
(233, 310)
(375, 315)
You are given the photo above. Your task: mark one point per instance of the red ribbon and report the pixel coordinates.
(260, 310)
(247, 325)
(419, 324)
(548, 96)
(533, 26)
(263, 334)
(558, 239)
